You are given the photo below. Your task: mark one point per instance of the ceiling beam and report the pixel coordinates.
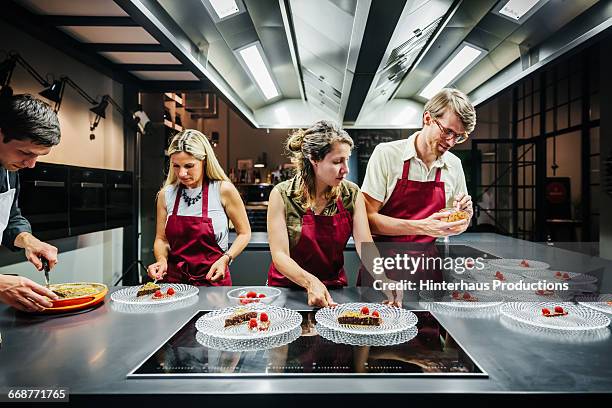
(110, 47)
(177, 86)
(90, 21)
(37, 26)
(153, 67)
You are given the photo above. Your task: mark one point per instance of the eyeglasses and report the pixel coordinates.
(449, 134)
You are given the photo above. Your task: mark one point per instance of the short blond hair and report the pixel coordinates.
(459, 104)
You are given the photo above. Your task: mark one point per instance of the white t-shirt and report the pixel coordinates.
(215, 209)
(387, 163)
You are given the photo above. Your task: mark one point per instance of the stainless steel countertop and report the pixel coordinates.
(93, 352)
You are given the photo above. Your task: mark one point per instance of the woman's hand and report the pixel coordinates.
(394, 296)
(157, 270)
(318, 295)
(217, 270)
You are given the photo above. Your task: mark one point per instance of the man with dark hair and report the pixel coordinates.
(28, 128)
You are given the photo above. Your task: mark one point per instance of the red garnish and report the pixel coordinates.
(469, 264)
(466, 296)
(251, 294)
(524, 263)
(558, 309)
(252, 323)
(500, 276)
(566, 275)
(545, 311)
(455, 295)
(263, 317)
(242, 296)
(558, 274)
(158, 294)
(365, 310)
(170, 291)
(261, 295)
(375, 313)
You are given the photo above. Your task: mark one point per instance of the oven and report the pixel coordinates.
(43, 199)
(87, 200)
(119, 199)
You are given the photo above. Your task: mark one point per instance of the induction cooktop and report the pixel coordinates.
(433, 352)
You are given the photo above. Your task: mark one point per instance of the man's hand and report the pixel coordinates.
(463, 202)
(433, 225)
(34, 249)
(24, 294)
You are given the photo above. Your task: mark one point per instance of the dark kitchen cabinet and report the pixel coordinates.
(61, 201)
(43, 199)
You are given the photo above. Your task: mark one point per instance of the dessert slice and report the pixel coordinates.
(361, 318)
(240, 316)
(562, 276)
(524, 263)
(465, 297)
(500, 276)
(147, 289)
(558, 311)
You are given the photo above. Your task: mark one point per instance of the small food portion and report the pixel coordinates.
(500, 276)
(160, 295)
(562, 276)
(557, 311)
(251, 297)
(361, 318)
(455, 215)
(544, 292)
(240, 316)
(261, 324)
(465, 297)
(524, 263)
(147, 289)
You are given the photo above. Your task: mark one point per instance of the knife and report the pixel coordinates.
(45, 264)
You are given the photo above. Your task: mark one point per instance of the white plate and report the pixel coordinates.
(394, 319)
(514, 265)
(377, 340)
(580, 318)
(550, 276)
(249, 344)
(597, 302)
(282, 320)
(487, 299)
(128, 295)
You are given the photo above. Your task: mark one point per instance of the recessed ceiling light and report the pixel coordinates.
(252, 57)
(459, 63)
(518, 10)
(222, 9)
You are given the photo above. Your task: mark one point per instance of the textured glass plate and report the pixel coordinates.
(148, 308)
(248, 344)
(282, 320)
(456, 309)
(597, 302)
(488, 275)
(558, 336)
(549, 276)
(128, 295)
(514, 265)
(377, 340)
(394, 319)
(444, 299)
(270, 292)
(580, 318)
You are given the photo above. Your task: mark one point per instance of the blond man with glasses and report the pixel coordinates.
(408, 181)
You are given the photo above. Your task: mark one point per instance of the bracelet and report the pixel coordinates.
(231, 258)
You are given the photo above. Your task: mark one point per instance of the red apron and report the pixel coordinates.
(411, 200)
(320, 248)
(193, 246)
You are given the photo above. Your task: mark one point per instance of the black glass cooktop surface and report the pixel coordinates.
(433, 352)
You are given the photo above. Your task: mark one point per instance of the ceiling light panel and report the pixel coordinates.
(253, 60)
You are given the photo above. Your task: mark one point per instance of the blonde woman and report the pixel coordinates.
(312, 216)
(191, 241)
